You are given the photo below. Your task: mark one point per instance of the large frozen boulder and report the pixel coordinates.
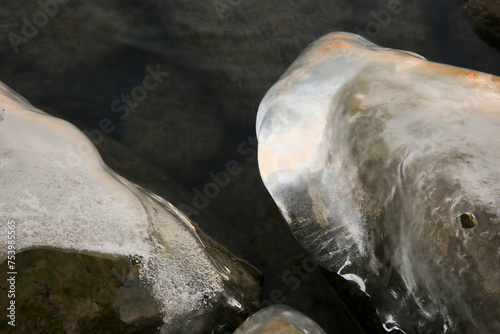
(60, 195)
(387, 168)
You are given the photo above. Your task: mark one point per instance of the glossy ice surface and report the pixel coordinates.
(61, 195)
(387, 168)
(279, 319)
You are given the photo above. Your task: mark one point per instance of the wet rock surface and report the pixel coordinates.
(65, 292)
(486, 12)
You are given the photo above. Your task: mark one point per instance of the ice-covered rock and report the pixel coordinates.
(279, 319)
(387, 168)
(61, 195)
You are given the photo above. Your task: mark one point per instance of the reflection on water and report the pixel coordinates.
(221, 56)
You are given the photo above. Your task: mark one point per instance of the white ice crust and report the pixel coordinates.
(59, 192)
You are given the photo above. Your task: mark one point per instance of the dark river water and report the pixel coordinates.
(169, 90)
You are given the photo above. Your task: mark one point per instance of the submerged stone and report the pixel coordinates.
(486, 12)
(61, 196)
(279, 319)
(62, 292)
(387, 168)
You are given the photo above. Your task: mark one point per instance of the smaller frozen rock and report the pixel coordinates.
(62, 196)
(279, 319)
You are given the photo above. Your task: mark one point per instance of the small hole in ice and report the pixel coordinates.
(468, 220)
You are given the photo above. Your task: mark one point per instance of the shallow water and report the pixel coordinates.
(201, 116)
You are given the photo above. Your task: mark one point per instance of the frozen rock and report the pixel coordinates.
(62, 196)
(279, 319)
(387, 168)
